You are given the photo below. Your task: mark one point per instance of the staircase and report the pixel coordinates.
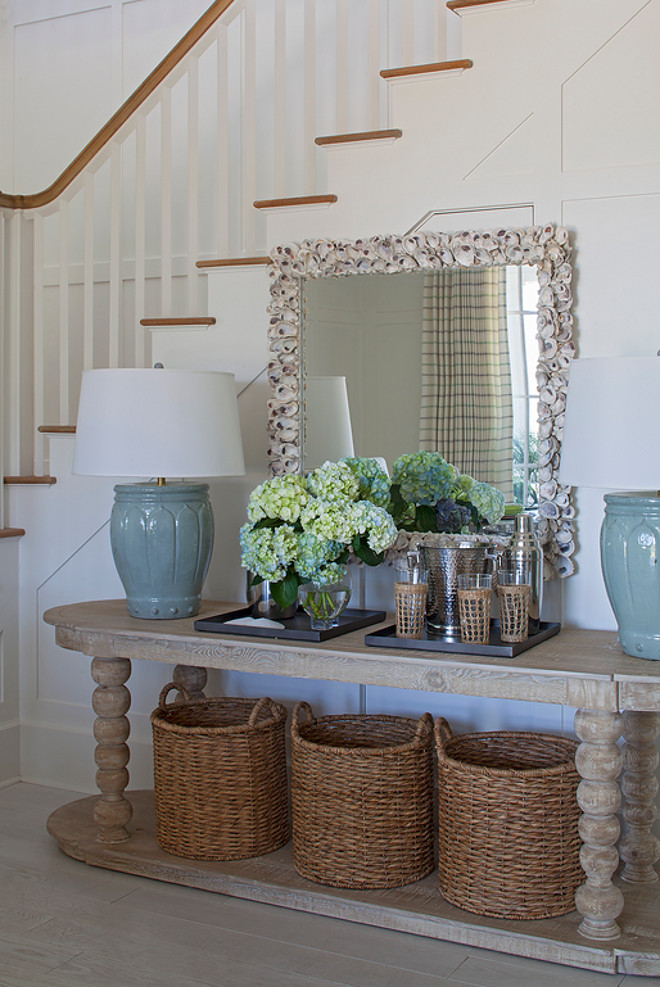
(235, 121)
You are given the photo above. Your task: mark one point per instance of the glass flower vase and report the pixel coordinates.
(324, 602)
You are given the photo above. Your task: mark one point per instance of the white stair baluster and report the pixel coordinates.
(249, 117)
(279, 95)
(193, 187)
(374, 56)
(115, 277)
(166, 203)
(140, 241)
(88, 272)
(38, 337)
(63, 308)
(222, 143)
(309, 128)
(342, 68)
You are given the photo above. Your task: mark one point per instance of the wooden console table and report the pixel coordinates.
(616, 927)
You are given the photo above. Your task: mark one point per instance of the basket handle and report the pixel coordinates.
(301, 707)
(443, 732)
(424, 727)
(164, 692)
(258, 707)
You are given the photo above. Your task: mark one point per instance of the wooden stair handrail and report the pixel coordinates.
(125, 111)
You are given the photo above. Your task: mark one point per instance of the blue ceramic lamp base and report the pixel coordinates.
(629, 544)
(162, 539)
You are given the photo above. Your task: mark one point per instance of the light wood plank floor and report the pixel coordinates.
(64, 924)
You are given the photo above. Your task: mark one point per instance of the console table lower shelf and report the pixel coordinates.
(417, 908)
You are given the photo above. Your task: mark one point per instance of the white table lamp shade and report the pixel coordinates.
(158, 423)
(328, 431)
(611, 436)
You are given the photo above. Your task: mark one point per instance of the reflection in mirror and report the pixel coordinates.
(538, 373)
(440, 361)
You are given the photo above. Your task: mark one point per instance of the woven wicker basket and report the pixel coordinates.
(362, 797)
(508, 823)
(219, 777)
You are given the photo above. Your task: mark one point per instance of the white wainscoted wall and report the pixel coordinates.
(554, 123)
(72, 63)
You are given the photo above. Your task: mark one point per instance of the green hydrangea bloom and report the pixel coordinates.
(424, 477)
(282, 498)
(334, 482)
(463, 485)
(268, 552)
(374, 483)
(329, 521)
(488, 501)
(313, 553)
(374, 522)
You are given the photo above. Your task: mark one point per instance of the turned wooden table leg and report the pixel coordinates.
(191, 677)
(638, 848)
(598, 761)
(111, 700)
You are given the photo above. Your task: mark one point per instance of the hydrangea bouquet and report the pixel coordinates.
(301, 529)
(429, 494)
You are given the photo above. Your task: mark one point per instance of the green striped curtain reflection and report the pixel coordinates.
(466, 411)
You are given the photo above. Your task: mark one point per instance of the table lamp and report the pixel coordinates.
(159, 423)
(328, 434)
(611, 440)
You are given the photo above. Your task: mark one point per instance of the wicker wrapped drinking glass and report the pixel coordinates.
(514, 612)
(220, 780)
(508, 823)
(362, 798)
(410, 609)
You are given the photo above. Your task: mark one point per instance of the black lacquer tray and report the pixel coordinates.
(386, 638)
(296, 628)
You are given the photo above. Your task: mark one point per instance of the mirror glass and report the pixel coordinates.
(395, 341)
(333, 315)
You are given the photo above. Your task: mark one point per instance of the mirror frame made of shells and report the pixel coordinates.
(545, 247)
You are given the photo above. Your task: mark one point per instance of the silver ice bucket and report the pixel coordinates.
(445, 564)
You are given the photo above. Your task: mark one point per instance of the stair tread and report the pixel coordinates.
(363, 135)
(57, 429)
(189, 320)
(457, 4)
(457, 63)
(233, 262)
(295, 200)
(12, 532)
(41, 480)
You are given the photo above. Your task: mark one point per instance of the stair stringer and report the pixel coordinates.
(9, 662)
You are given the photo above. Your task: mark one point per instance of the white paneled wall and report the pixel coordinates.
(74, 64)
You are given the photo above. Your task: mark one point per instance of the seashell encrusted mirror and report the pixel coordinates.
(545, 248)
